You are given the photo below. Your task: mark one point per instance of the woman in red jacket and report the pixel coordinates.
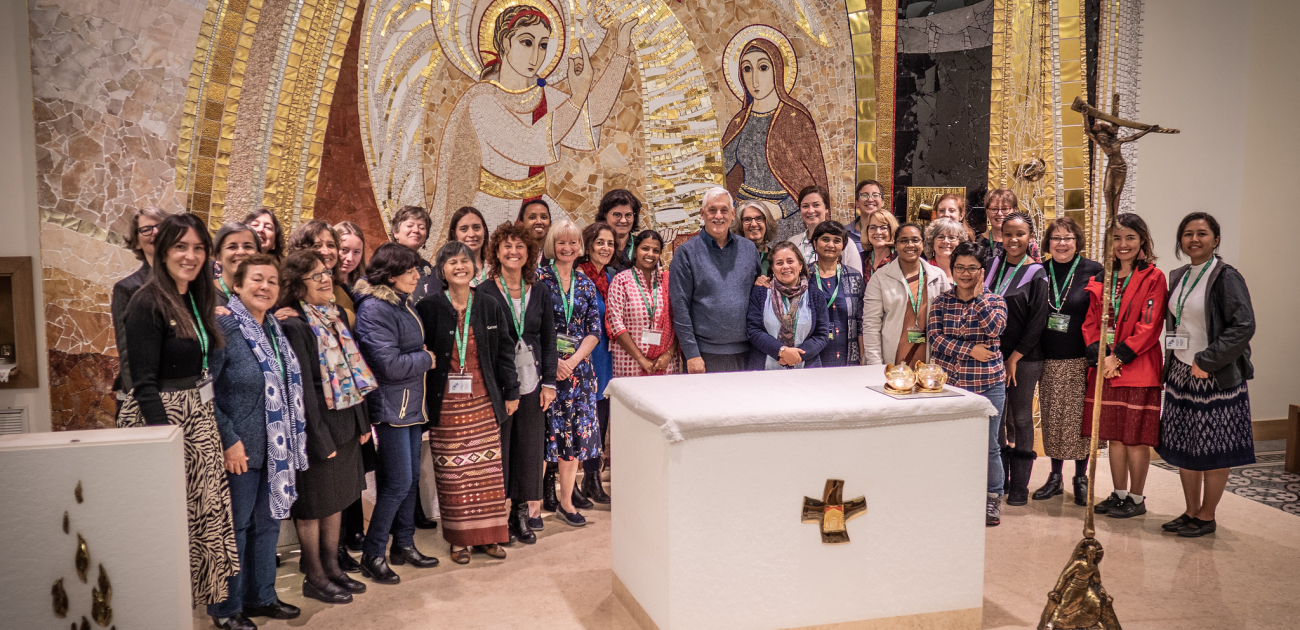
(1130, 410)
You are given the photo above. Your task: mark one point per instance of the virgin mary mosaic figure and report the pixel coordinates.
(509, 126)
(770, 149)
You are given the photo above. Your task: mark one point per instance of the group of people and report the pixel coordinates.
(294, 365)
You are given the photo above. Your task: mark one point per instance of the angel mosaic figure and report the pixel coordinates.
(507, 128)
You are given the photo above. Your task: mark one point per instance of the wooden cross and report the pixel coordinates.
(832, 512)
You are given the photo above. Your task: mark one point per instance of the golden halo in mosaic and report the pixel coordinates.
(731, 56)
(487, 25)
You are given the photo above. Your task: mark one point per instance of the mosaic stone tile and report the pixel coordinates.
(81, 391)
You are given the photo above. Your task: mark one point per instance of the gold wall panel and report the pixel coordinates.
(1073, 149)
(873, 69)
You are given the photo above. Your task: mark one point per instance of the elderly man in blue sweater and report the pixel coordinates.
(711, 278)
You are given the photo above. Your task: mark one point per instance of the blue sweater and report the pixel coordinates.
(709, 287)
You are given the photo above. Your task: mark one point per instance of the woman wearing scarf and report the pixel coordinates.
(258, 393)
(598, 264)
(337, 379)
(788, 324)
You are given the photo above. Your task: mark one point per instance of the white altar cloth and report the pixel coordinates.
(711, 474)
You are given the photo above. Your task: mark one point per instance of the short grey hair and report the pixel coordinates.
(939, 227)
(714, 192)
(451, 250)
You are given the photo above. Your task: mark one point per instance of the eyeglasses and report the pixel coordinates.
(753, 220)
(878, 228)
(146, 230)
(948, 238)
(319, 277)
(965, 271)
(871, 195)
(915, 240)
(1001, 211)
(1062, 239)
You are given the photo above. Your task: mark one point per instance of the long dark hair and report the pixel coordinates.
(348, 228)
(1134, 222)
(589, 236)
(293, 275)
(160, 292)
(1182, 225)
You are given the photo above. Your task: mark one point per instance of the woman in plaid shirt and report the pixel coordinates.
(964, 327)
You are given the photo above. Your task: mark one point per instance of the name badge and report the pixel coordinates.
(1058, 322)
(460, 384)
(566, 344)
(1176, 341)
(1110, 337)
(652, 337)
(915, 335)
(205, 388)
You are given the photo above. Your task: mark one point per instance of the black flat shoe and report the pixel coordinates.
(375, 568)
(594, 489)
(1050, 489)
(580, 502)
(1110, 503)
(1195, 528)
(402, 555)
(550, 499)
(1176, 524)
(1128, 509)
(356, 541)
(348, 584)
(346, 562)
(238, 622)
(536, 524)
(274, 610)
(1081, 490)
(570, 518)
(421, 522)
(331, 594)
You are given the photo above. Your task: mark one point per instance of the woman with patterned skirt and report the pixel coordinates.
(1065, 370)
(573, 432)
(473, 389)
(1130, 408)
(1205, 426)
(171, 335)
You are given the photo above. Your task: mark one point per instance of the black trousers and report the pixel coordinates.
(523, 448)
(725, 362)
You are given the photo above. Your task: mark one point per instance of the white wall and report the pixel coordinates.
(19, 221)
(1225, 73)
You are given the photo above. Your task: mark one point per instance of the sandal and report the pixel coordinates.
(494, 550)
(460, 556)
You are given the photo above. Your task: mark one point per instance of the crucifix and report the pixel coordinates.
(833, 511)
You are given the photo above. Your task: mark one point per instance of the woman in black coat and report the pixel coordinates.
(512, 254)
(470, 392)
(337, 424)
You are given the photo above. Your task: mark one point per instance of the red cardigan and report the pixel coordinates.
(1139, 329)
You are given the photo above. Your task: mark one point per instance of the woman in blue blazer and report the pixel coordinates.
(788, 324)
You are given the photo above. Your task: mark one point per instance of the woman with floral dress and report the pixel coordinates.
(572, 432)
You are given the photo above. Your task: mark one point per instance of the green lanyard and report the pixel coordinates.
(201, 332)
(1184, 292)
(1058, 300)
(224, 289)
(915, 301)
(566, 298)
(629, 248)
(650, 300)
(482, 275)
(518, 319)
(839, 282)
(1003, 280)
(462, 332)
(1117, 300)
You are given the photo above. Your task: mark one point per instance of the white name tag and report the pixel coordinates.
(205, 389)
(460, 384)
(652, 337)
(1176, 341)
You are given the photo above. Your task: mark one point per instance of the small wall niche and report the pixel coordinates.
(17, 323)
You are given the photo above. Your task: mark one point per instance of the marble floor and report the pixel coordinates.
(1243, 577)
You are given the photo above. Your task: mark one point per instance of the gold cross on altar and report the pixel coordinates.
(833, 511)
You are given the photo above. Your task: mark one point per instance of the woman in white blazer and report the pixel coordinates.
(897, 302)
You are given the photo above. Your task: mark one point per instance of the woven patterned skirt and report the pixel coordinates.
(466, 447)
(1204, 427)
(1060, 393)
(213, 555)
(1129, 415)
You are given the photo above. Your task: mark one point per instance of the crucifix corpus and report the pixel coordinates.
(833, 511)
(1078, 600)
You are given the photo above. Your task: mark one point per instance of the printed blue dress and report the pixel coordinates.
(572, 430)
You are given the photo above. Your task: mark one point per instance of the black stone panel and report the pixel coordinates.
(942, 124)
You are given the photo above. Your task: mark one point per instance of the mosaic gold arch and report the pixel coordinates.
(873, 28)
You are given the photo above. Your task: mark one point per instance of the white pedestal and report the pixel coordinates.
(133, 520)
(707, 531)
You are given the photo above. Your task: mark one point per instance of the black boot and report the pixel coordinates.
(1049, 489)
(1006, 468)
(346, 562)
(519, 524)
(1081, 490)
(422, 521)
(550, 500)
(1022, 465)
(593, 488)
(580, 502)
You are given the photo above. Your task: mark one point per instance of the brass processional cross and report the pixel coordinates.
(833, 511)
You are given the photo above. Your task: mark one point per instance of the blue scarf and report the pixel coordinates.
(286, 428)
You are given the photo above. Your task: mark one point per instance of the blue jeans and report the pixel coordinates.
(997, 395)
(397, 476)
(256, 533)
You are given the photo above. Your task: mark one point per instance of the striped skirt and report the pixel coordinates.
(466, 447)
(1204, 427)
(1129, 415)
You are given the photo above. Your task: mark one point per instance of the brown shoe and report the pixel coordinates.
(494, 550)
(460, 556)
